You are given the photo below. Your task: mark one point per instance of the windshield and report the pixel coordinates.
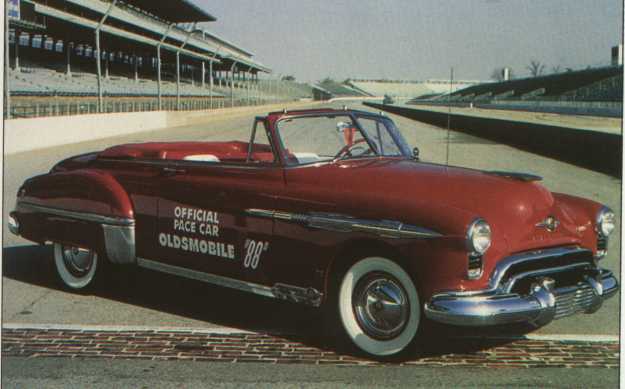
(312, 139)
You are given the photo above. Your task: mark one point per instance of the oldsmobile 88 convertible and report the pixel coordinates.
(328, 208)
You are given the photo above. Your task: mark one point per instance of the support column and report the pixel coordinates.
(203, 74)
(249, 86)
(177, 80)
(106, 69)
(186, 40)
(7, 83)
(210, 83)
(16, 65)
(99, 67)
(136, 63)
(232, 69)
(68, 49)
(158, 66)
(99, 55)
(158, 77)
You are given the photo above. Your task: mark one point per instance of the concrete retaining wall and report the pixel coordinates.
(37, 133)
(593, 150)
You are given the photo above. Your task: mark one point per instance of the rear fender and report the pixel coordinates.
(85, 207)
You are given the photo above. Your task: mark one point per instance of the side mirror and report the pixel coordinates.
(415, 153)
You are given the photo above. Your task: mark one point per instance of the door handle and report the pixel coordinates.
(172, 171)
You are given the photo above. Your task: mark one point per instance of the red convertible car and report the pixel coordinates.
(328, 208)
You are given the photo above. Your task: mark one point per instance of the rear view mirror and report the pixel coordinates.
(415, 153)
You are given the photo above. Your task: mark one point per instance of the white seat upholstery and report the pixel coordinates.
(307, 157)
(202, 158)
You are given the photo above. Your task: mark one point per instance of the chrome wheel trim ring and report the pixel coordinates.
(381, 305)
(75, 275)
(353, 329)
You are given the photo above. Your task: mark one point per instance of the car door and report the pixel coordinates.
(204, 223)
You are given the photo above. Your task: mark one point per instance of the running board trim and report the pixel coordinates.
(309, 296)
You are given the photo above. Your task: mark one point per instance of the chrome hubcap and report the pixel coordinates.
(381, 306)
(78, 261)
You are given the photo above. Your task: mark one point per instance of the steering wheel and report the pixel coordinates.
(347, 149)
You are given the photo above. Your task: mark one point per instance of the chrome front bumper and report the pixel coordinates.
(544, 303)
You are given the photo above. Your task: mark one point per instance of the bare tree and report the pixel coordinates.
(556, 69)
(536, 68)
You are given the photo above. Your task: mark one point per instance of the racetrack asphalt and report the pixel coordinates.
(31, 293)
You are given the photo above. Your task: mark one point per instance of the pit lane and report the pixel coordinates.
(31, 294)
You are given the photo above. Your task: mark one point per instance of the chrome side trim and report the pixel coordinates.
(119, 242)
(515, 175)
(343, 223)
(297, 294)
(85, 216)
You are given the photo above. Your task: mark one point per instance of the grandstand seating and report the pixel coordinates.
(406, 89)
(42, 82)
(561, 86)
(340, 90)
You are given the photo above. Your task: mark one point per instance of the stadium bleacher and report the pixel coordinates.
(52, 54)
(572, 85)
(407, 89)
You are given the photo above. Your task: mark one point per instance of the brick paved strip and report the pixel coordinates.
(267, 348)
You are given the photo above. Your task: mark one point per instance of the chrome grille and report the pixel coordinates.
(573, 300)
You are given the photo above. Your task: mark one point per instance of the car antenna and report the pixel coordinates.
(451, 82)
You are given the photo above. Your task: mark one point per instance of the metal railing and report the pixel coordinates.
(264, 92)
(78, 107)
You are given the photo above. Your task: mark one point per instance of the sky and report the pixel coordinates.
(418, 39)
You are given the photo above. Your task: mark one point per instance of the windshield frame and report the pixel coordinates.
(354, 116)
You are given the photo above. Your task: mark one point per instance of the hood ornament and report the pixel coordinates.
(550, 223)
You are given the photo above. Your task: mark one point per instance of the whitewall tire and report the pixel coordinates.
(75, 266)
(379, 306)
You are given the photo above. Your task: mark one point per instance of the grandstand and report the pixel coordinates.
(329, 89)
(597, 92)
(598, 84)
(408, 89)
(148, 49)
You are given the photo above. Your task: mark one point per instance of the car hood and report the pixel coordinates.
(513, 205)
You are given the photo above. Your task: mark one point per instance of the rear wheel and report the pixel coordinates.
(379, 307)
(77, 267)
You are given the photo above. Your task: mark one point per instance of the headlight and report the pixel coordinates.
(606, 222)
(478, 236)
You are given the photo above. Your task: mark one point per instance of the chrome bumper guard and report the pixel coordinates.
(544, 303)
(13, 224)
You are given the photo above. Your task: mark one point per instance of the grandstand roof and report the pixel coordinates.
(179, 11)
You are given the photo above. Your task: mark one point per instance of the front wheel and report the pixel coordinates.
(76, 266)
(379, 307)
